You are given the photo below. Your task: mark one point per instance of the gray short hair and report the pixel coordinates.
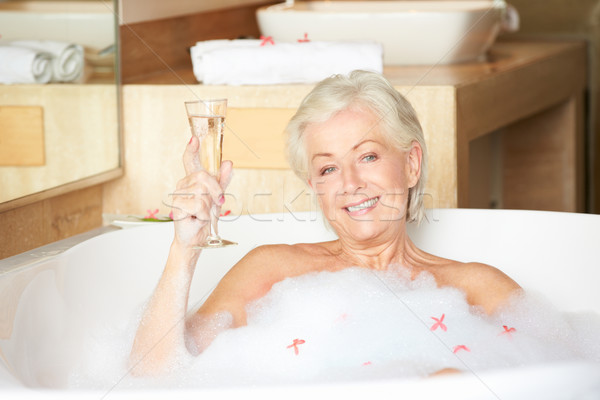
(371, 91)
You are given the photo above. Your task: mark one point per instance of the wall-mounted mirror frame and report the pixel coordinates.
(80, 132)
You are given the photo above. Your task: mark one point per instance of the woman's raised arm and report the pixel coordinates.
(161, 334)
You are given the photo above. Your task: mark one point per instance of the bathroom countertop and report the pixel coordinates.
(504, 56)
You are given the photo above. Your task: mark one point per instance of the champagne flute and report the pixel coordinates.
(207, 121)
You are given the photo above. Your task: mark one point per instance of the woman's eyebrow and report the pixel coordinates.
(356, 146)
(321, 155)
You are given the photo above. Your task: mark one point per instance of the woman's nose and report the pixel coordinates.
(352, 180)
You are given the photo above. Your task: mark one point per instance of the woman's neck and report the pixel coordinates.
(376, 254)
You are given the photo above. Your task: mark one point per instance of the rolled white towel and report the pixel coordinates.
(240, 62)
(197, 52)
(22, 65)
(67, 61)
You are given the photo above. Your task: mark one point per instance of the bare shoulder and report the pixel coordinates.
(275, 259)
(277, 251)
(484, 285)
(253, 276)
(284, 255)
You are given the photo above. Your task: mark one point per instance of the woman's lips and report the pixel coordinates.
(363, 205)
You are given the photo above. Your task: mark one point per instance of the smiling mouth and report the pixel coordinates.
(365, 204)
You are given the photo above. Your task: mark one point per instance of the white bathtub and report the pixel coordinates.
(411, 32)
(50, 296)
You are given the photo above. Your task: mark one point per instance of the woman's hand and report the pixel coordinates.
(196, 196)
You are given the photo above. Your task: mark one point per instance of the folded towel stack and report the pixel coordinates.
(21, 65)
(258, 62)
(40, 61)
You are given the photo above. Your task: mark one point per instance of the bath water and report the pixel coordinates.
(356, 324)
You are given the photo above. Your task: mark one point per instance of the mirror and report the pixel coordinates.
(59, 102)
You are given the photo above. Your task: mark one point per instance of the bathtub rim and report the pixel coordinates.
(450, 387)
(40, 254)
(35, 256)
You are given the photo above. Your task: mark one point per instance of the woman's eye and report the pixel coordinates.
(370, 157)
(327, 170)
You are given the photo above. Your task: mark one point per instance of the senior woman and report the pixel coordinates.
(359, 145)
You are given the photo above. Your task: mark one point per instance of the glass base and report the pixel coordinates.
(214, 242)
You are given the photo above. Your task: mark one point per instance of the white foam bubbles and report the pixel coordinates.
(363, 324)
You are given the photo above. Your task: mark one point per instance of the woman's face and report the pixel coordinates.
(361, 183)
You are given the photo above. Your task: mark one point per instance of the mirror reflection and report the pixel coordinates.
(58, 94)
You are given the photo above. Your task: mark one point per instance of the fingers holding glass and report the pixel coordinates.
(198, 186)
(193, 207)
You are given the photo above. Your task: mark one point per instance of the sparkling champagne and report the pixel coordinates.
(209, 130)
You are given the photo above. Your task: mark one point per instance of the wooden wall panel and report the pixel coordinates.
(543, 164)
(49, 220)
(568, 19)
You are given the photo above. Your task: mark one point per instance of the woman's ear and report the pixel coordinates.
(413, 164)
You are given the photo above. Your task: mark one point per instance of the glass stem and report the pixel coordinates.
(214, 221)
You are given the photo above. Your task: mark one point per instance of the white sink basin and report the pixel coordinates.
(89, 23)
(411, 32)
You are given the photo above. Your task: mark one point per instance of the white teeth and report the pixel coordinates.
(363, 205)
